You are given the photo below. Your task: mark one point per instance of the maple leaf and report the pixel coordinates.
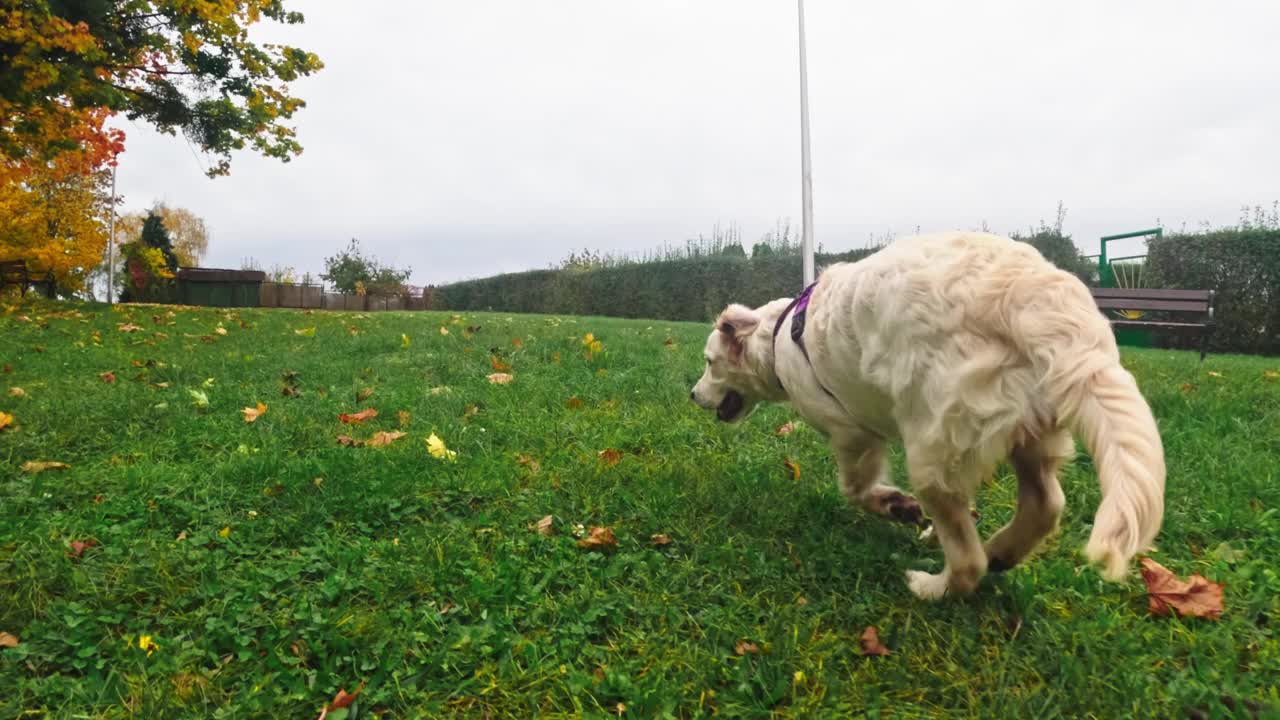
(128, 328)
(342, 700)
(199, 398)
(251, 414)
(220, 330)
(517, 343)
(786, 430)
(500, 378)
(610, 456)
(358, 417)
(40, 466)
(545, 526)
(743, 647)
(364, 394)
(79, 546)
(573, 403)
(660, 539)
(5, 420)
(8, 641)
(305, 332)
(498, 365)
(384, 438)
(403, 417)
(438, 450)
(107, 377)
(1194, 597)
(870, 642)
(530, 462)
(793, 468)
(599, 538)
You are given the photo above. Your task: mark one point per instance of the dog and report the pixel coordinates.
(969, 348)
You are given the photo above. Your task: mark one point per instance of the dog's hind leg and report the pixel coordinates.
(864, 480)
(947, 504)
(1040, 499)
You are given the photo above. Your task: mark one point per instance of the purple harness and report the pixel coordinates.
(797, 310)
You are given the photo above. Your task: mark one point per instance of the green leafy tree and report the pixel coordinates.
(351, 269)
(150, 263)
(177, 64)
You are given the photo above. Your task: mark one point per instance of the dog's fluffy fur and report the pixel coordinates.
(971, 348)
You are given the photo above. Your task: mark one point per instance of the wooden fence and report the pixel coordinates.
(313, 297)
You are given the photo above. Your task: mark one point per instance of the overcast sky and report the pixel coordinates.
(467, 138)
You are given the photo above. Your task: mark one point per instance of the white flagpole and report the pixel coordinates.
(806, 172)
(111, 238)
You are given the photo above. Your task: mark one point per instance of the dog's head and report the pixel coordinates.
(734, 381)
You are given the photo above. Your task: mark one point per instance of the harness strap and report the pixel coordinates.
(797, 309)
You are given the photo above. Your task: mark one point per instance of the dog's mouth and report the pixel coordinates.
(730, 407)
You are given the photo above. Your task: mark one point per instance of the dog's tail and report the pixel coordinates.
(1107, 410)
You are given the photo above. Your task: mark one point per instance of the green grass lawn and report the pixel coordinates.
(271, 566)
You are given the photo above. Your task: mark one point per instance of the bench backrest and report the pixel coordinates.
(1196, 301)
(13, 269)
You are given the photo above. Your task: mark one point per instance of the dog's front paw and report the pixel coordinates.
(904, 508)
(927, 586)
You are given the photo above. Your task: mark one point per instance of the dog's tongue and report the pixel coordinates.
(730, 406)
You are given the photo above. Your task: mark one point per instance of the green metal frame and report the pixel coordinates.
(1106, 276)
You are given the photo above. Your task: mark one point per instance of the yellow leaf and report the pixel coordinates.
(252, 413)
(1214, 373)
(220, 330)
(438, 450)
(545, 526)
(1271, 374)
(17, 392)
(8, 641)
(225, 532)
(306, 332)
(500, 378)
(39, 466)
(404, 341)
(146, 643)
(444, 330)
(5, 420)
(404, 417)
(792, 467)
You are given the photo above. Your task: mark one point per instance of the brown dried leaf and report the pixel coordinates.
(403, 418)
(17, 392)
(599, 538)
(793, 468)
(1187, 388)
(1194, 597)
(79, 546)
(500, 378)
(344, 699)
(573, 403)
(517, 343)
(786, 430)
(39, 466)
(660, 539)
(107, 377)
(870, 642)
(742, 647)
(128, 328)
(349, 441)
(364, 394)
(358, 417)
(251, 414)
(610, 456)
(498, 365)
(545, 526)
(382, 439)
(8, 641)
(530, 462)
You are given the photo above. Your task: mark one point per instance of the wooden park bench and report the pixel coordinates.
(15, 272)
(1192, 308)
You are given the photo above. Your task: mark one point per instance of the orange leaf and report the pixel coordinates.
(500, 378)
(517, 342)
(793, 468)
(128, 328)
(382, 439)
(742, 647)
(573, 403)
(545, 526)
(610, 457)
(78, 547)
(8, 641)
(358, 417)
(786, 430)
(870, 642)
(251, 414)
(669, 341)
(599, 538)
(42, 465)
(498, 365)
(1196, 597)
(107, 377)
(5, 420)
(344, 699)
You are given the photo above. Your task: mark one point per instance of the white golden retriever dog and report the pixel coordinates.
(970, 348)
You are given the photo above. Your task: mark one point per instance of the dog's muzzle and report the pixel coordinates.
(730, 406)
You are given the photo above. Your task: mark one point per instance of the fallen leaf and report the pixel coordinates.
(440, 390)
(146, 643)
(79, 546)
(383, 438)
(555, 358)
(1187, 388)
(870, 642)
(610, 456)
(786, 430)
(530, 462)
(660, 539)
(545, 526)
(404, 341)
(225, 532)
(344, 699)
(1195, 597)
(599, 538)
(517, 343)
(573, 403)
(444, 330)
(358, 417)
(220, 330)
(669, 341)
(743, 647)
(7, 369)
(17, 392)
(5, 420)
(305, 332)
(437, 449)
(793, 468)
(8, 641)
(364, 394)
(403, 417)
(128, 328)
(251, 414)
(1214, 374)
(353, 330)
(40, 466)
(498, 365)
(199, 398)
(99, 499)
(1271, 374)
(107, 377)
(500, 378)
(181, 536)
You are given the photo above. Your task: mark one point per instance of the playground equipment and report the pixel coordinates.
(1126, 272)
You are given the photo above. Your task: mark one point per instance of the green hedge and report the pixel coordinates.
(695, 289)
(1242, 266)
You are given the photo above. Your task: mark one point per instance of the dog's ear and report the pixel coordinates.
(738, 321)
